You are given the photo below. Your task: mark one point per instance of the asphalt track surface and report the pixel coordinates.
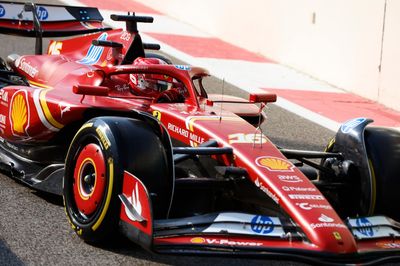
(35, 231)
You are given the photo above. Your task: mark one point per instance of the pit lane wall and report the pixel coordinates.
(351, 44)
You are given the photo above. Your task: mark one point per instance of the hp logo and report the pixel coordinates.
(2, 11)
(262, 225)
(42, 13)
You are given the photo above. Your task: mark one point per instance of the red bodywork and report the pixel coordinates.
(54, 100)
(49, 104)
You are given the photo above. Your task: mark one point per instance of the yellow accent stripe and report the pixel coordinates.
(330, 144)
(373, 192)
(43, 103)
(39, 84)
(217, 118)
(79, 181)
(46, 110)
(109, 192)
(82, 128)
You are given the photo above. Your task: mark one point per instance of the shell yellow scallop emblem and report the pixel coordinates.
(275, 164)
(197, 240)
(19, 113)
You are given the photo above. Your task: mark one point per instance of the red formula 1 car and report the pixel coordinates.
(134, 144)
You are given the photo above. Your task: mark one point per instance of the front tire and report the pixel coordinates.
(99, 154)
(373, 185)
(383, 148)
(92, 182)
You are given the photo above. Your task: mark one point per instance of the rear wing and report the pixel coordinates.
(31, 20)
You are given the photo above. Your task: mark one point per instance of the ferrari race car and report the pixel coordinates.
(135, 145)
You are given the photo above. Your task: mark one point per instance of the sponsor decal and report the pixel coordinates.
(122, 88)
(351, 124)
(55, 48)
(183, 67)
(94, 53)
(266, 190)
(135, 201)
(157, 114)
(185, 133)
(290, 178)
(4, 96)
(337, 236)
(262, 225)
(224, 242)
(327, 225)
(325, 219)
(247, 138)
(64, 107)
(275, 164)
(3, 119)
(26, 67)
(195, 138)
(19, 113)
(103, 138)
(391, 245)
(42, 13)
(308, 206)
(2, 11)
(197, 240)
(364, 227)
(299, 189)
(181, 131)
(126, 36)
(306, 197)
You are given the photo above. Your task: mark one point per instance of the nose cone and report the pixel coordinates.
(333, 238)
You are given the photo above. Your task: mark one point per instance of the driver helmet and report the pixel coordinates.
(149, 85)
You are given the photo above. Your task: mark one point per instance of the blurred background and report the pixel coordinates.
(351, 44)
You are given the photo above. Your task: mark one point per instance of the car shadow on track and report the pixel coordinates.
(7, 257)
(125, 247)
(50, 198)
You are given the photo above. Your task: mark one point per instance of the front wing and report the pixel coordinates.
(235, 233)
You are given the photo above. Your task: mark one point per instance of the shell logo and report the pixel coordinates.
(275, 164)
(197, 240)
(19, 113)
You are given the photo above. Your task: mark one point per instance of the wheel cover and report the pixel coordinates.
(89, 179)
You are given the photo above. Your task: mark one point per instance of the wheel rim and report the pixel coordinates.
(89, 180)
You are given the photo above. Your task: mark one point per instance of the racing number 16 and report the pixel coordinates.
(247, 138)
(55, 48)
